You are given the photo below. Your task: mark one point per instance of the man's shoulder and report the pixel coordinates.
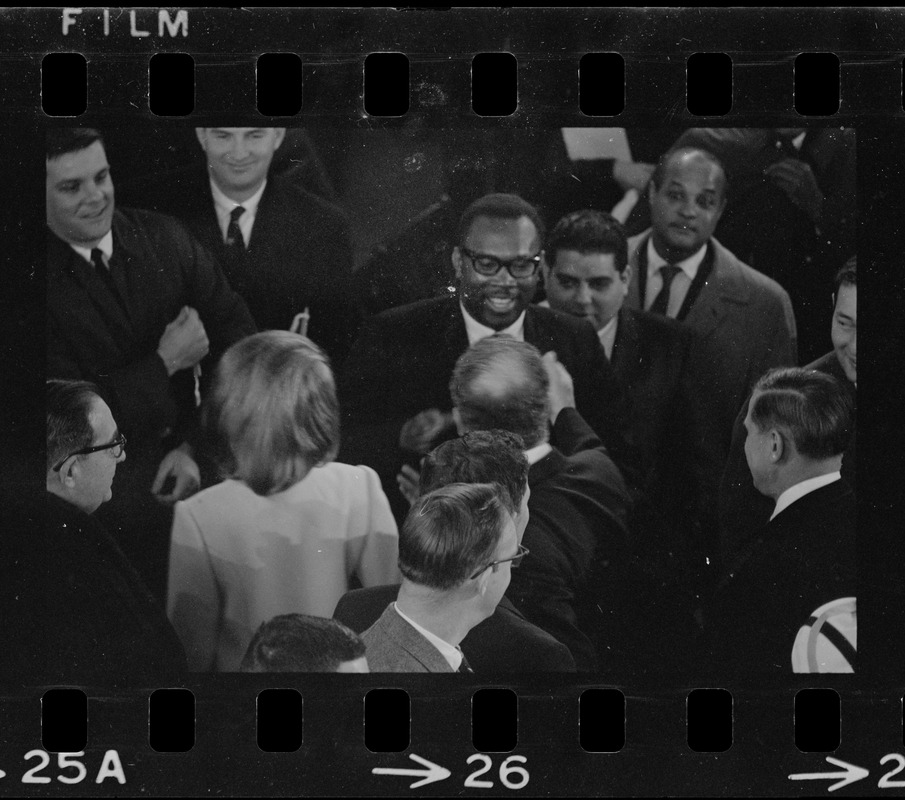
(550, 321)
(727, 267)
(421, 313)
(140, 224)
(656, 327)
(287, 195)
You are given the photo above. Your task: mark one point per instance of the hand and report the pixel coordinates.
(796, 179)
(181, 466)
(419, 433)
(184, 342)
(630, 175)
(408, 480)
(561, 393)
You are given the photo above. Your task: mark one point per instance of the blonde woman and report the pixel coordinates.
(288, 527)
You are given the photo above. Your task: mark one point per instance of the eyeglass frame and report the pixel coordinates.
(120, 442)
(516, 560)
(501, 263)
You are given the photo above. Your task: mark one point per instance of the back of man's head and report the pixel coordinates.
(500, 382)
(451, 533)
(589, 232)
(69, 429)
(499, 206)
(492, 456)
(60, 141)
(811, 409)
(301, 643)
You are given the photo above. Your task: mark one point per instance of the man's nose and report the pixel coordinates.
(504, 276)
(583, 295)
(239, 150)
(94, 193)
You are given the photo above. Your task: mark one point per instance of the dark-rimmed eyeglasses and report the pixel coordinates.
(118, 445)
(516, 560)
(488, 266)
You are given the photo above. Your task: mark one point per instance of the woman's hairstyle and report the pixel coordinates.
(273, 411)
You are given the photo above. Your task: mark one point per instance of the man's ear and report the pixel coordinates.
(201, 133)
(778, 446)
(69, 473)
(627, 275)
(457, 418)
(280, 134)
(457, 262)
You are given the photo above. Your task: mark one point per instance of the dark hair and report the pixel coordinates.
(493, 456)
(68, 423)
(61, 141)
(848, 275)
(811, 408)
(450, 533)
(499, 206)
(660, 170)
(500, 382)
(274, 410)
(301, 643)
(589, 232)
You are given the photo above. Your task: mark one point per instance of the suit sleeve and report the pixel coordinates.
(375, 555)
(571, 434)
(194, 604)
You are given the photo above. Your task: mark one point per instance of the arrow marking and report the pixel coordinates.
(434, 772)
(850, 775)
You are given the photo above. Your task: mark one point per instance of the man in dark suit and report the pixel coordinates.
(136, 305)
(574, 583)
(743, 509)
(394, 389)
(456, 549)
(81, 613)
(505, 641)
(798, 425)
(282, 248)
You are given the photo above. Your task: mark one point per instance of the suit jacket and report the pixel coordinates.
(299, 255)
(803, 558)
(504, 642)
(742, 508)
(744, 326)
(403, 360)
(158, 268)
(395, 646)
(571, 582)
(83, 615)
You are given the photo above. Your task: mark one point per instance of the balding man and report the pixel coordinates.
(576, 532)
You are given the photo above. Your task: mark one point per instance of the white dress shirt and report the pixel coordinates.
(680, 284)
(451, 653)
(477, 331)
(224, 207)
(105, 245)
(799, 490)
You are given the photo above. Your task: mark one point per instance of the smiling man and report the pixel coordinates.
(137, 306)
(394, 388)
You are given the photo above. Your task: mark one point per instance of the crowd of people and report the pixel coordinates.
(594, 449)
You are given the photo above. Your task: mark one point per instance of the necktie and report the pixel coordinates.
(103, 272)
(234, 239)
(464, 666)
(661, 301)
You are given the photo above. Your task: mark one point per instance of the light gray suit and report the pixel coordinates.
(395, 646)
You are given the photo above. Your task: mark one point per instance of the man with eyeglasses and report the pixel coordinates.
(394, 388)
(85, 614)
(457, 547)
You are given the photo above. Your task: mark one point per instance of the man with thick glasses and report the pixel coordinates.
(394, 388)
(457, 547)
(85, 614)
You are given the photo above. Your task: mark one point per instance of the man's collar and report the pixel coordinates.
(689, 265)
(226, 204)
(105, 245)
(799, 490)
(450, 652)
(538, 452)
(477, 330)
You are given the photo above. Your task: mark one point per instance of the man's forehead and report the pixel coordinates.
(89, 159)
(485, 228)
(588, 265)
(239, 131)
(847, 298)
(694, 166)
(101, 418)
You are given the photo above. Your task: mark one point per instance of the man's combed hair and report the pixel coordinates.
(660, 170)
(61, 141)
(273, 411)
(301, 643)
(811, 408)
(499, 206)
(589, 232)
(500, 382)
(848, 275)
(451, 533)
(68, 422)
(492, 456)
